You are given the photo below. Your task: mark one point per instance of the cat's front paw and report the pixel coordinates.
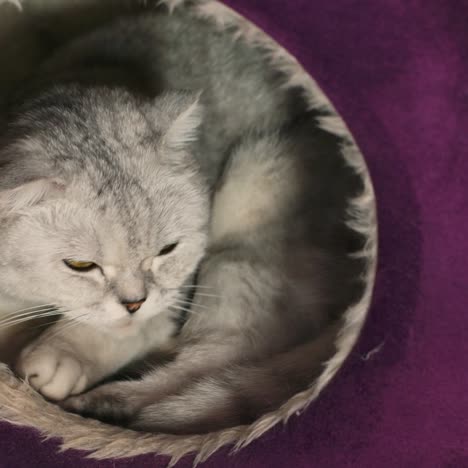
(53, 371)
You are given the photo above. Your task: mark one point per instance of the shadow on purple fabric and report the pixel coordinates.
(396, 71)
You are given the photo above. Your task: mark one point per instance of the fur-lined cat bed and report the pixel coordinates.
(19, 404)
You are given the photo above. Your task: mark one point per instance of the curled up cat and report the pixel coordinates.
(135, 189)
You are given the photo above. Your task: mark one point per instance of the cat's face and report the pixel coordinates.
(110, 222)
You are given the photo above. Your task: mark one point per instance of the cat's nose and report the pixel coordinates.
(133, 306)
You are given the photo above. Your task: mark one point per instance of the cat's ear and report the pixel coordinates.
(186, 114)
(28, 194)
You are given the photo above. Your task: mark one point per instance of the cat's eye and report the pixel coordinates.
(167, 249)
(80, 265)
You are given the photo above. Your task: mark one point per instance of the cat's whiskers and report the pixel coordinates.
(197, 293)
(16, 321)
(68, 324)
(192, 304)
(35, 313)
(34, 309)
(31, 313)
(184, 309)
(43, 325)
(217, 296)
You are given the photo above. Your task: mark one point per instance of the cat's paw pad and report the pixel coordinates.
(53, 372)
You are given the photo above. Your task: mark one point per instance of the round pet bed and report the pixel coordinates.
(21, 406)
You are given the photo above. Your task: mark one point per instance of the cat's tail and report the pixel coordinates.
(239, 394)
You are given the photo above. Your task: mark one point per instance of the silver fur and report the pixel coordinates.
(90, 174)
(276, 273)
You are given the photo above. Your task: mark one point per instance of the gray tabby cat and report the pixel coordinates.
(116, 199)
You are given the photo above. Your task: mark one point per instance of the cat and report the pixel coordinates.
(82, 206)
(120, 193)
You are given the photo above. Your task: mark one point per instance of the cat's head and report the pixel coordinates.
(103, 212)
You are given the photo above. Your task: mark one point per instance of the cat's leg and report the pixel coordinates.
(67, 360)
(122, 401)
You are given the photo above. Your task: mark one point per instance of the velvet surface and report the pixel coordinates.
(394, 70)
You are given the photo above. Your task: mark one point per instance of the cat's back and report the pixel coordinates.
(241, 90)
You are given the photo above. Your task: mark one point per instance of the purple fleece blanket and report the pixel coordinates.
(397, 72)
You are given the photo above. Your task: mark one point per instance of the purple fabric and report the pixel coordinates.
(394, 71)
